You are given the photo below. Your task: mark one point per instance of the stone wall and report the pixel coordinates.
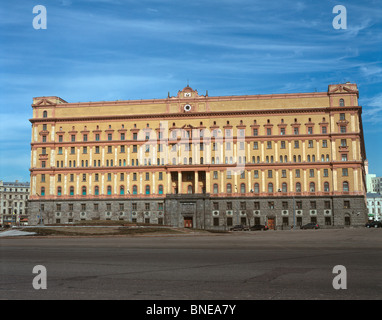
(207, 212)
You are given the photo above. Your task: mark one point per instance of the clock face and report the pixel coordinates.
(187, 94)
(187, 108)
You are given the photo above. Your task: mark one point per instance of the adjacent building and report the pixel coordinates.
(374, 206)
(193, 160)
(14, 203)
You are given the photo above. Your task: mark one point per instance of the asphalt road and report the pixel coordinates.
(243, 265)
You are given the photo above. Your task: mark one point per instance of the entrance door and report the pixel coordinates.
(271, 223)
(188, 222)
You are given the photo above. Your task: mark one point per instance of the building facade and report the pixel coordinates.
(14, 203)
(197, 161)
(374, 206)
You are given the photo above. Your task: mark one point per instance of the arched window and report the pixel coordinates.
(342, 102)
(216, 188)
(312, 187)
(326, 187)
(298, 187)
(257, 188)
(43, 191)
(345, 186)
(160, 189)
(84, 191)
(242, 188)
(71, 191)
(229, 188)
(284, 187)
(270, 187)
(147, 189)
(96, 190)
(189, 189)
(45, 114)
(109, 190)
(135, 190)
(121, 190)
(59, 191)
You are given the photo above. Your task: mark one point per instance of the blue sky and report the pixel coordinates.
(113, 49)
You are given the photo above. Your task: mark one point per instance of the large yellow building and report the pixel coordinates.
(198, 161)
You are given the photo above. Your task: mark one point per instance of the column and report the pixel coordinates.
(208, 182)
(196, 182)
(180, 190)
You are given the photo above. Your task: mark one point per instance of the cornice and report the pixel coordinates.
(201, 114)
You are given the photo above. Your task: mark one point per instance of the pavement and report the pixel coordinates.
(15, 233)
(260, 265)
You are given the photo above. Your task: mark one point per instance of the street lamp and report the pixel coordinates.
(39, 207)
(294, 211)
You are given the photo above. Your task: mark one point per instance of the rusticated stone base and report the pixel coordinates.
(203, 211)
